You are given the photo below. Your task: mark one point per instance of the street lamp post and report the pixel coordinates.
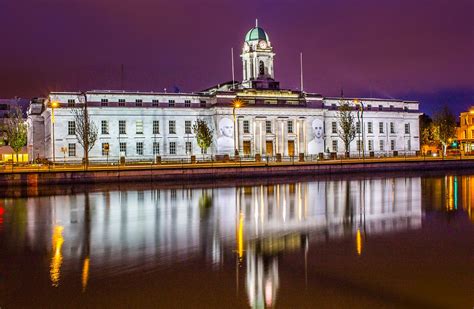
(236, 104)
(53, 106)
(361, 125)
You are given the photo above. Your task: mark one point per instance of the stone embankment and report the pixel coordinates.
(196, 172)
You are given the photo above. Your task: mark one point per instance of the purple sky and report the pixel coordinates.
(420, 50)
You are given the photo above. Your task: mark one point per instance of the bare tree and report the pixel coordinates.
(203, 133)
(347, 129)
(445, 126)
(86, 131)
(15, 130)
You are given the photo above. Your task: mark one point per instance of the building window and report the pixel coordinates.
(138, 102)
(71, 150)
(156, 127)
(268, 126)
(381, 144)
(187, 126)
(189, 147)
(170, 103)
(357, 127)
(407, 128)
(333, 106)
(391, 107)
(173, 148)
(71, 102)
(187, 103)
(334, 146)
(202, 103)
(380, 107)
(156, 148)
(155, 103)
(123, 148)
(104, 127)
(246, 126)
(370, 128)
(172, 127)
(140, 148)
(121, 102)
(71, 128)
(104, 100)
(290, 126)
(392, 144)
(369, 107)
(105, 149)
(334, 127)
(122, 127)
(409, 145)
(392, 128)
(103, 104)
(381, 127)
(405, 108)
(371, 145)
(139, 127)
(472, 133)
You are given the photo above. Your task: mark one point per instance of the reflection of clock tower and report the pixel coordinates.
(257, 58)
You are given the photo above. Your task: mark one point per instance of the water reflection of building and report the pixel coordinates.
(129, 229)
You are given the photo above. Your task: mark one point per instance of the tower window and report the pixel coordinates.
(261, 68)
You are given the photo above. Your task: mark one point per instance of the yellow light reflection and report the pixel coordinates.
(57, 259)
(240, 237)
(85, 273)
(359, 242)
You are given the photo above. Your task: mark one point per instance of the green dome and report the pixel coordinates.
(256, 34)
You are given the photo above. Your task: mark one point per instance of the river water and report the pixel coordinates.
(385, 241)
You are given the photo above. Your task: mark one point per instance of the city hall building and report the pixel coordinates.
(269, 120)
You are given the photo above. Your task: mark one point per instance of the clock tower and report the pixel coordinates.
(257, 59)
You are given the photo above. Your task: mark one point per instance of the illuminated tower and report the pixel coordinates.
(257, 60)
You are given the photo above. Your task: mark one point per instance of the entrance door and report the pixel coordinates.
(291, 148)
(247, 148)
(269, 147)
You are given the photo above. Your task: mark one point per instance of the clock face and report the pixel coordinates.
(262, 44)
(246, 47)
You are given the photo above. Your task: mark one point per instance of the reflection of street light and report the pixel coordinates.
(237, 103)
(361, 125)
(53, 105)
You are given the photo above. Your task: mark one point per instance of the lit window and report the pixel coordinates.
(105, 149)
(139, 127)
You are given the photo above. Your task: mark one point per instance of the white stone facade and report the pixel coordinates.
(271, 121)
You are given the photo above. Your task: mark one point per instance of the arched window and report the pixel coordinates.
(261, 68)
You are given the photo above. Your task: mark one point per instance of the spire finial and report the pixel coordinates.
(256, 23)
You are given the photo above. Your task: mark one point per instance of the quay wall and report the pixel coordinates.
(196, 172)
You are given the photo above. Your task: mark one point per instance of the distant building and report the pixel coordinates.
(465, 131)
(6, 107)
(143, 125)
